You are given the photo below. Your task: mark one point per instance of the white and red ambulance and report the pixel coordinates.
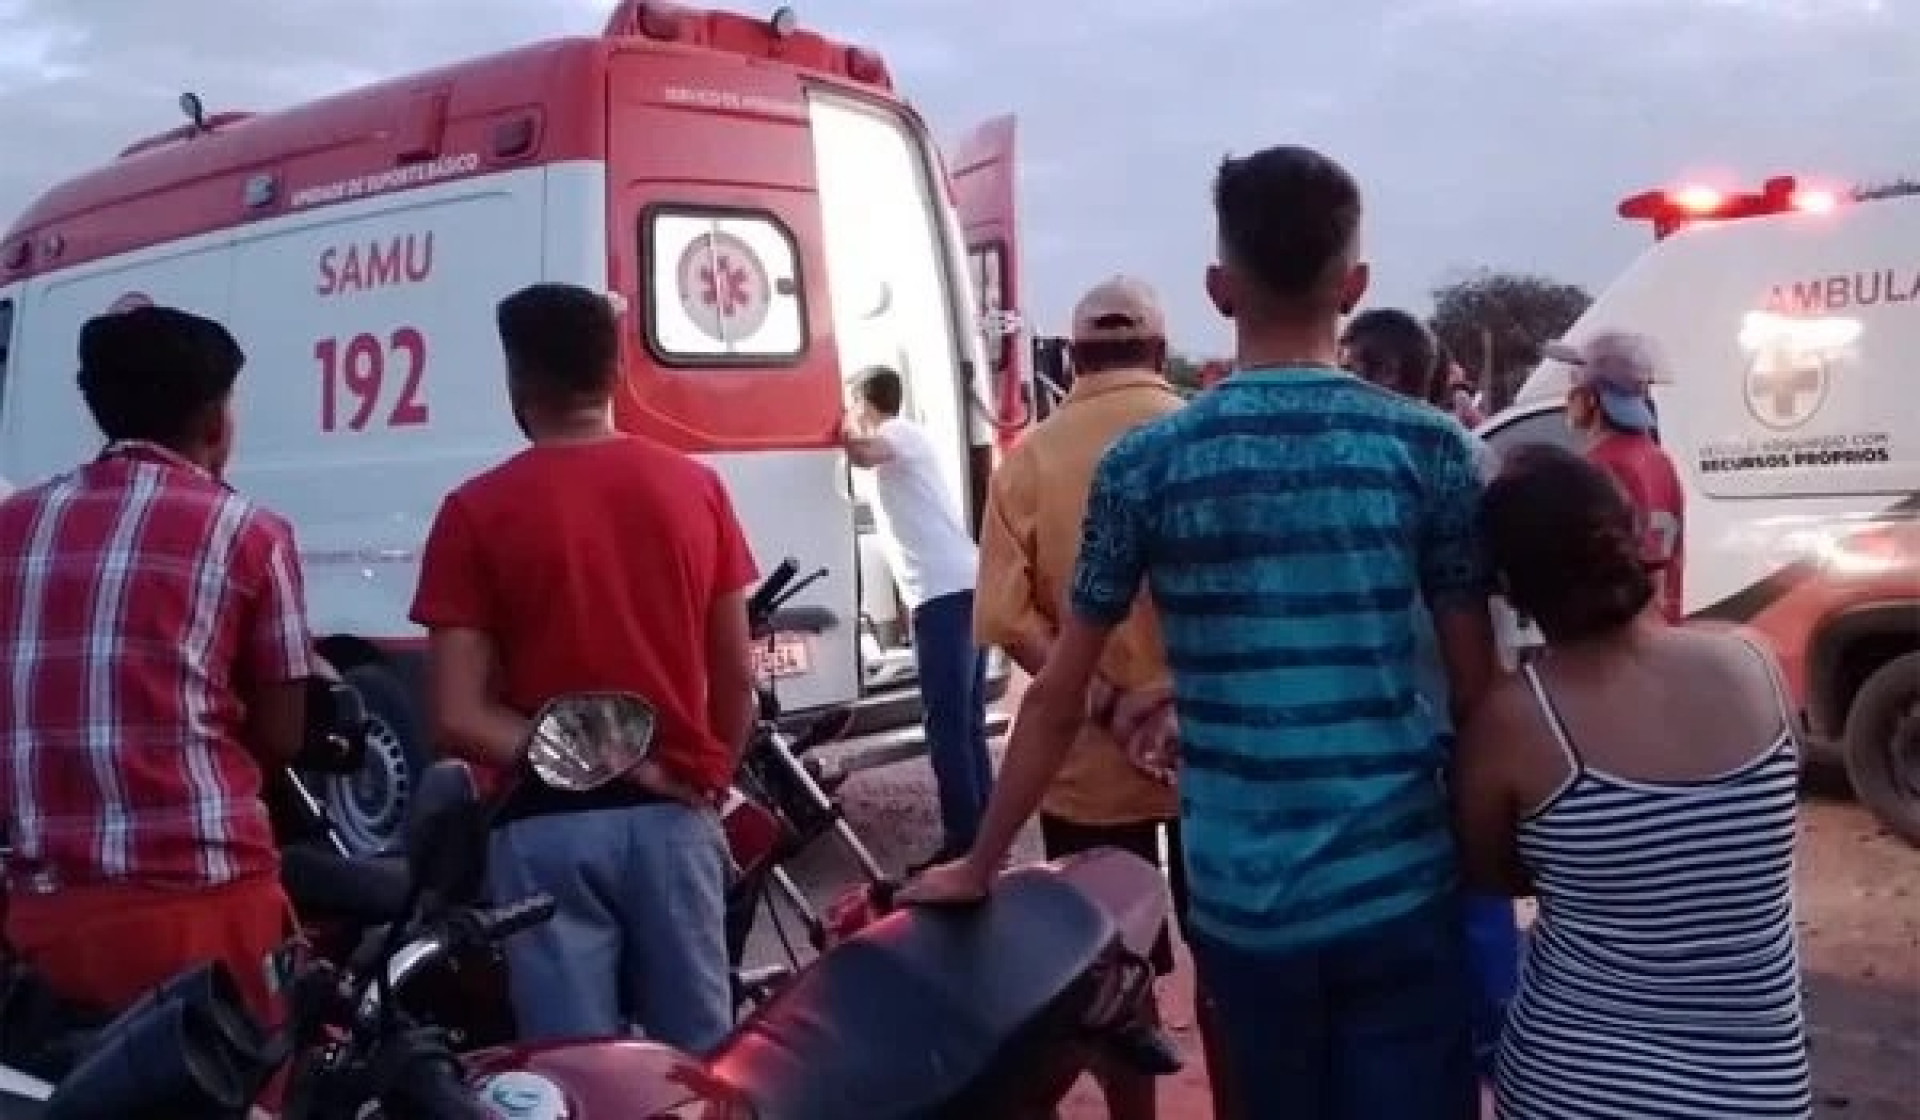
(774, 216)
(1788, 319)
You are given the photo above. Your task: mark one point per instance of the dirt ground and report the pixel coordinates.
(1859, 899)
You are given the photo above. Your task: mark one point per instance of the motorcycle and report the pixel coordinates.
(776, 810)
(991, 1010)
(345, 904)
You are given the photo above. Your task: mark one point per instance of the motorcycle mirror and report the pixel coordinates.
(585, 740)
(446, 835)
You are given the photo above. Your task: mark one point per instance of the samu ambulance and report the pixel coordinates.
(1788, 321)
(773, 217)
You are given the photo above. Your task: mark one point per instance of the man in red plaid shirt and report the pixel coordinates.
(154, 664)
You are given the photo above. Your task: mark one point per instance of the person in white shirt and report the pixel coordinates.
(934, 560)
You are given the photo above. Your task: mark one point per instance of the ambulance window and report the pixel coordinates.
(723, 288)
(990, 289)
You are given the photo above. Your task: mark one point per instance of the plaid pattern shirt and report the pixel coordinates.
(139, 596)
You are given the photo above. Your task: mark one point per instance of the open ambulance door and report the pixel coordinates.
(982, 172)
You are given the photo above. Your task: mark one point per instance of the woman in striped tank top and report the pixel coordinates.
(1640, 780)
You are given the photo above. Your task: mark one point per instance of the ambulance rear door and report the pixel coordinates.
(982, 170)
(715, 234)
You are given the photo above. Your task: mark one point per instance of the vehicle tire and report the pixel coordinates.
(370, 806)
(1883, 746)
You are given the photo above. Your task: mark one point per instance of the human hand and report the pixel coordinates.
(650, 776)
(1153, 746)
(959, 883)
(1129, 711)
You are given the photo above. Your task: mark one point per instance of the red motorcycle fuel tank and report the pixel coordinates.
(610, 1080)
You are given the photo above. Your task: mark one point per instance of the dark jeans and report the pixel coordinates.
(1369, 1027)
(953, 688)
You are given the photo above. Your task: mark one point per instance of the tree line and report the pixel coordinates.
(1493, 323)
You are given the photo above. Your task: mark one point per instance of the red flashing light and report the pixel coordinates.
(1674, 209)
(1698, 199)
(1815, 201)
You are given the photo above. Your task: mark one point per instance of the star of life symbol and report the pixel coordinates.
(723, 287)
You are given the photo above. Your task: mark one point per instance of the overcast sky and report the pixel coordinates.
(1486, 132)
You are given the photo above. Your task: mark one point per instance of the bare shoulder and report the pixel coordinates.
(1728, 661)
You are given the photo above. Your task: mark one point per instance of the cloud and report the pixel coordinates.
(1496, 132)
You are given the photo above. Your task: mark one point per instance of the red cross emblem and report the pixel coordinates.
(1786, 397)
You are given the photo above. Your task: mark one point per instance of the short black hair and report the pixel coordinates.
(1561, 533)
(883, 389)
(152, 373)
(1104, 355)
(1393, 349)
(561, 340)
(1287, 216)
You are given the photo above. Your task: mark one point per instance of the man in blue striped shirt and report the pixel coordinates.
(1288, 524)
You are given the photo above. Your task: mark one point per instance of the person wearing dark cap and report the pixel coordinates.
(1610, 403)
(155, 666)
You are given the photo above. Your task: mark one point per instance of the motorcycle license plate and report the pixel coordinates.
(785, 656)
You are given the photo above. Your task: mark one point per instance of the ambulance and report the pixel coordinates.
(769, 214)
(1788, 320)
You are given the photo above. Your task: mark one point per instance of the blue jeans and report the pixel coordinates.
(1493, 951)
(1369, 1027)
(638, 936)
(953, 689)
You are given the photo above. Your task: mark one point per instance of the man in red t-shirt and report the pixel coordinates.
(597, 561)
(154, 666)
(1609, 402)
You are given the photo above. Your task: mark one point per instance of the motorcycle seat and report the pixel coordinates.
(323, 884)
(925, 1012)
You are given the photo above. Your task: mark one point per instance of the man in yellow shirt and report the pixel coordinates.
(1029, 538)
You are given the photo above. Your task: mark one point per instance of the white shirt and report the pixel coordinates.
(920, 518)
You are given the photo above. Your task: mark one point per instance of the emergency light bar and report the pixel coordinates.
(1672, 209)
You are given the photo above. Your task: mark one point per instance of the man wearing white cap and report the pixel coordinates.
(1609, 401)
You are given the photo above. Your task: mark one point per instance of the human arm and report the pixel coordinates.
(468, 720)
(276, 655)
(1486, 798)
(1454, 578)
(1111, 567)
(455, 602)
(732, 703)
(865, 448)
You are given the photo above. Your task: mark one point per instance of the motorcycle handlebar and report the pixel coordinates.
(766, 598)
(474, 927)
(779, 588)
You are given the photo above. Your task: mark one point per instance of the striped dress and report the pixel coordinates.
(1663, 981)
